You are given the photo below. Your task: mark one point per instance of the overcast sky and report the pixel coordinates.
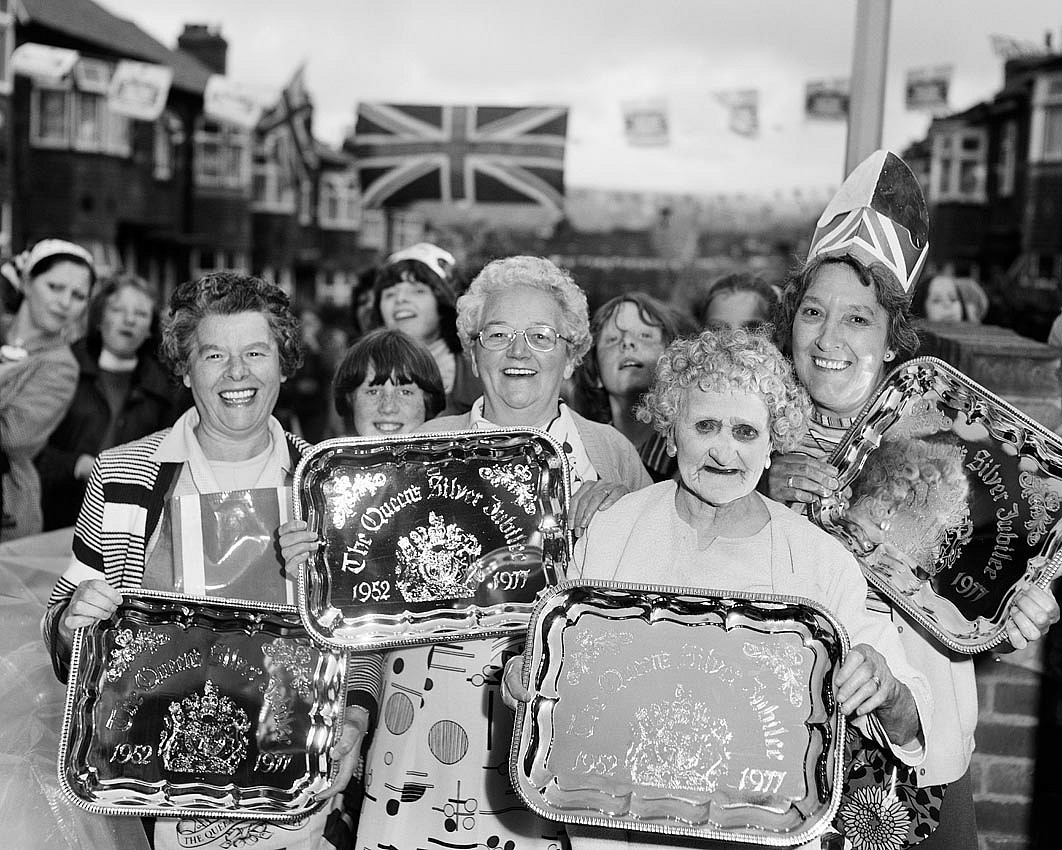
(593, 54)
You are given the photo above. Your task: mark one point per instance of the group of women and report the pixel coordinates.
(731, 427)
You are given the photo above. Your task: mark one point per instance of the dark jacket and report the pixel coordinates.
(153, 403)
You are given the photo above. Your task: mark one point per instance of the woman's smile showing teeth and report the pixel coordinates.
(515, 372)
(237, 396)
(835, 365)
(387, 427)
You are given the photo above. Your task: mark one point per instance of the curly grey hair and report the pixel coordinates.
(224, 294)
(501, 276)
(725, 360)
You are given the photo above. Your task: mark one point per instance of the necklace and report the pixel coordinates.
(825, 441)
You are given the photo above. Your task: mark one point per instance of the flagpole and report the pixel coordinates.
(866, 108)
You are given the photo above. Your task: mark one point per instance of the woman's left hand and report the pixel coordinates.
(865, 684)
(864, 681)
(1035, 611)
(592, 497)
(347, 750)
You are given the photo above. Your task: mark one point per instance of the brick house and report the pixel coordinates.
(992, 175)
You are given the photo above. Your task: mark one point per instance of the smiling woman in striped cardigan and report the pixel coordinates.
(232, 340)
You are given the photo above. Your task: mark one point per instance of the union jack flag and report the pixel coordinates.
(478, 154)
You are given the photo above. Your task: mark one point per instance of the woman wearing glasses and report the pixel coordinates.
(437, 772)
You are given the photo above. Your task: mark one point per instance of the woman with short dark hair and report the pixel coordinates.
(387, 384)
(416, 293)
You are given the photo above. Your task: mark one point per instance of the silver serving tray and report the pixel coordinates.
(953, 506)
(682, 711)
(430, 537)
(183, 706)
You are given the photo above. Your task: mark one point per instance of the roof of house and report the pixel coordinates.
(85, 21)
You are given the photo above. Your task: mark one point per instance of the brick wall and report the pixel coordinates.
(1004, 762)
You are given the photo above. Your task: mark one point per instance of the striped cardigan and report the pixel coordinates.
(124, 499)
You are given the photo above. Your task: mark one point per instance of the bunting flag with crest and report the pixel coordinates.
(744, 111)
(473, 154)
(292, 115)
(645, 123)
(827, 100)
(927, 88)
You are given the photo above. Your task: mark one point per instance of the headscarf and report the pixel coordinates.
(19, 268)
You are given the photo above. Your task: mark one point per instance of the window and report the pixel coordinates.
(49, 117)
(334, 288)
(339, 207)
(222, 156)
(5, 229)
(75, 114)
(373, 229)
(957, 168)
(1008, 158)
(206, 260)
(305, 202)
(272, 189)
(7, 45)
(163, 151)
(1045, 142)
(1053, 132)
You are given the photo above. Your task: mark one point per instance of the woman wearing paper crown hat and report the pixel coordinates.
(845, 319)
(38, 372)
(416, 293)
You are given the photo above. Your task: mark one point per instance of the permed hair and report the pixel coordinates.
(723, 361)
(502, 276)
(225, 294)
(391, 354)
(901, 336)
(590, 398)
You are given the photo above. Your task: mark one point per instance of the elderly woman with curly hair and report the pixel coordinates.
(231, 339)
(723, 401)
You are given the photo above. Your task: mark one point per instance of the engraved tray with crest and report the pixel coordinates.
(952, 503)
(193, 707)
(680, 711)
(430, 537)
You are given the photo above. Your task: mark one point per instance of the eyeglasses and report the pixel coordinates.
(497, 337)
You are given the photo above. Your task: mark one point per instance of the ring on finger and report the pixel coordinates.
(789, 482)
(876, 680)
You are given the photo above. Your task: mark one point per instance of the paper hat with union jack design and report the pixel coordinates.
(877, 216)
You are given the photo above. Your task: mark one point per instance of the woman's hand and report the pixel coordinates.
(83, 467)
(512, 684)
(592, 497)
(347, 750)
(1033, 613)
(296, 544)
(798, 478)
(93, 600)
(865, 684)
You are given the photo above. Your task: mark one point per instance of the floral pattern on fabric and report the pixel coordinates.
(882, 807)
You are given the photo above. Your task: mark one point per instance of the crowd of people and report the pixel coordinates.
(694, 434)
